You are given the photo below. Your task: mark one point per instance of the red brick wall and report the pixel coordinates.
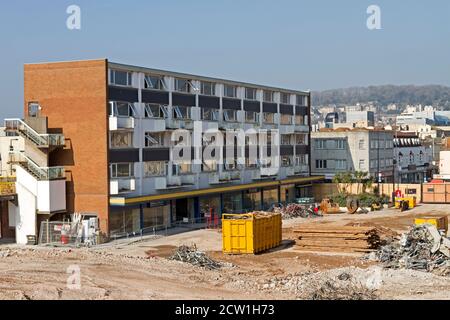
(73, 95)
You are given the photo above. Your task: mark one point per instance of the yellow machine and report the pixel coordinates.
(440, 222)
(405, 203)
(250, 233)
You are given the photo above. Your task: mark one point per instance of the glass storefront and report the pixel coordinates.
(287, 194)
(252, 200)
(304, 191)
(270, 198)
(232, 202)
(157, 216)
(125, 220)
(209, 206)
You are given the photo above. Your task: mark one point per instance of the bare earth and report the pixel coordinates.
(139, 269)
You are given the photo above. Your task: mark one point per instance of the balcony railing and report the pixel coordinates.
(118, 186)
(41, 173)
(303, 168)
(41, 140)
(118, 123)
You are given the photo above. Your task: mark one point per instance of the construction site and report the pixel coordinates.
(290, 253)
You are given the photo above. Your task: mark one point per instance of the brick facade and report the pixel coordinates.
(73, 95)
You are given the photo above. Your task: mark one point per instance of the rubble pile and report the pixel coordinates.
(342, 287)
(190, 254)
(294, 210)
(422, 248)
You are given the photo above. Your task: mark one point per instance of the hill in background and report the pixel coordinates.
(435, 95)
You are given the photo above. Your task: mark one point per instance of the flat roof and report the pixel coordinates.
(204, 78)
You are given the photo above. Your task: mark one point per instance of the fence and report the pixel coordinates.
(323, 190)
(63, 233)
(171, 228)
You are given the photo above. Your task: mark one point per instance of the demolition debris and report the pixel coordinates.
(294, 210)
(190, 254)
(422, 248)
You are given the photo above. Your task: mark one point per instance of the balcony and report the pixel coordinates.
(153, 125)
(174, 182)
(219, 177)
(269, 172)
(230, 125)
(187, 124)
(121, 123)
(301, 128)
(290, 171)
(287, 128)
(301, 169)
(123, 185)
(235, 175)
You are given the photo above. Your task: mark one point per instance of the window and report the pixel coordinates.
(33, 109)
(122, 170)
(251, 116)
(286, 119)
(154, 139)
(320, 144)
(299, 120)
(301, 139)
(229, 91)
(285, 98)
(210, 114)
(182, 85)
(154, 82)
(250, 93)
(155, 168)
(321, 164)
(268, 96)
(122, 109)
(208, 88)
(209, 166)
(301, 160)
(155, 111)
(250, 163)
(121, 139)
(229, 115)
(341, 164)
(285, 139)
(361, 144)
(230, 164)
(340, 144)
(269, 117)
(302, 100)
(362, 164)
(285, 161)
(182, 112)
(183, 168)
(120, 78)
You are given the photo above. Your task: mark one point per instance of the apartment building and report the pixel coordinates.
(112, 133)
(413, 159)
(359, 149)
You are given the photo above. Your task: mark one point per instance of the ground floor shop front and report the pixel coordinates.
(153, 215)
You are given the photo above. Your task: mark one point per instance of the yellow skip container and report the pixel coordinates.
(250, 233)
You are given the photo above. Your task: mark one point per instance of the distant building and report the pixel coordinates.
(359, 149)
(413, 159)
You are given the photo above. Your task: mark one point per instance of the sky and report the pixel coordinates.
(296, 44)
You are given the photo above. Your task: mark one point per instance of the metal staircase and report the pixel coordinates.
(40, 173)
(40, 140)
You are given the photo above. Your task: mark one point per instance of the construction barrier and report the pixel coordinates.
(250, 233)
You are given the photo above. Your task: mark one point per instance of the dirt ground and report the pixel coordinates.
(139, 268)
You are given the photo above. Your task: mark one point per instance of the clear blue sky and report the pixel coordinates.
(299, 44)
